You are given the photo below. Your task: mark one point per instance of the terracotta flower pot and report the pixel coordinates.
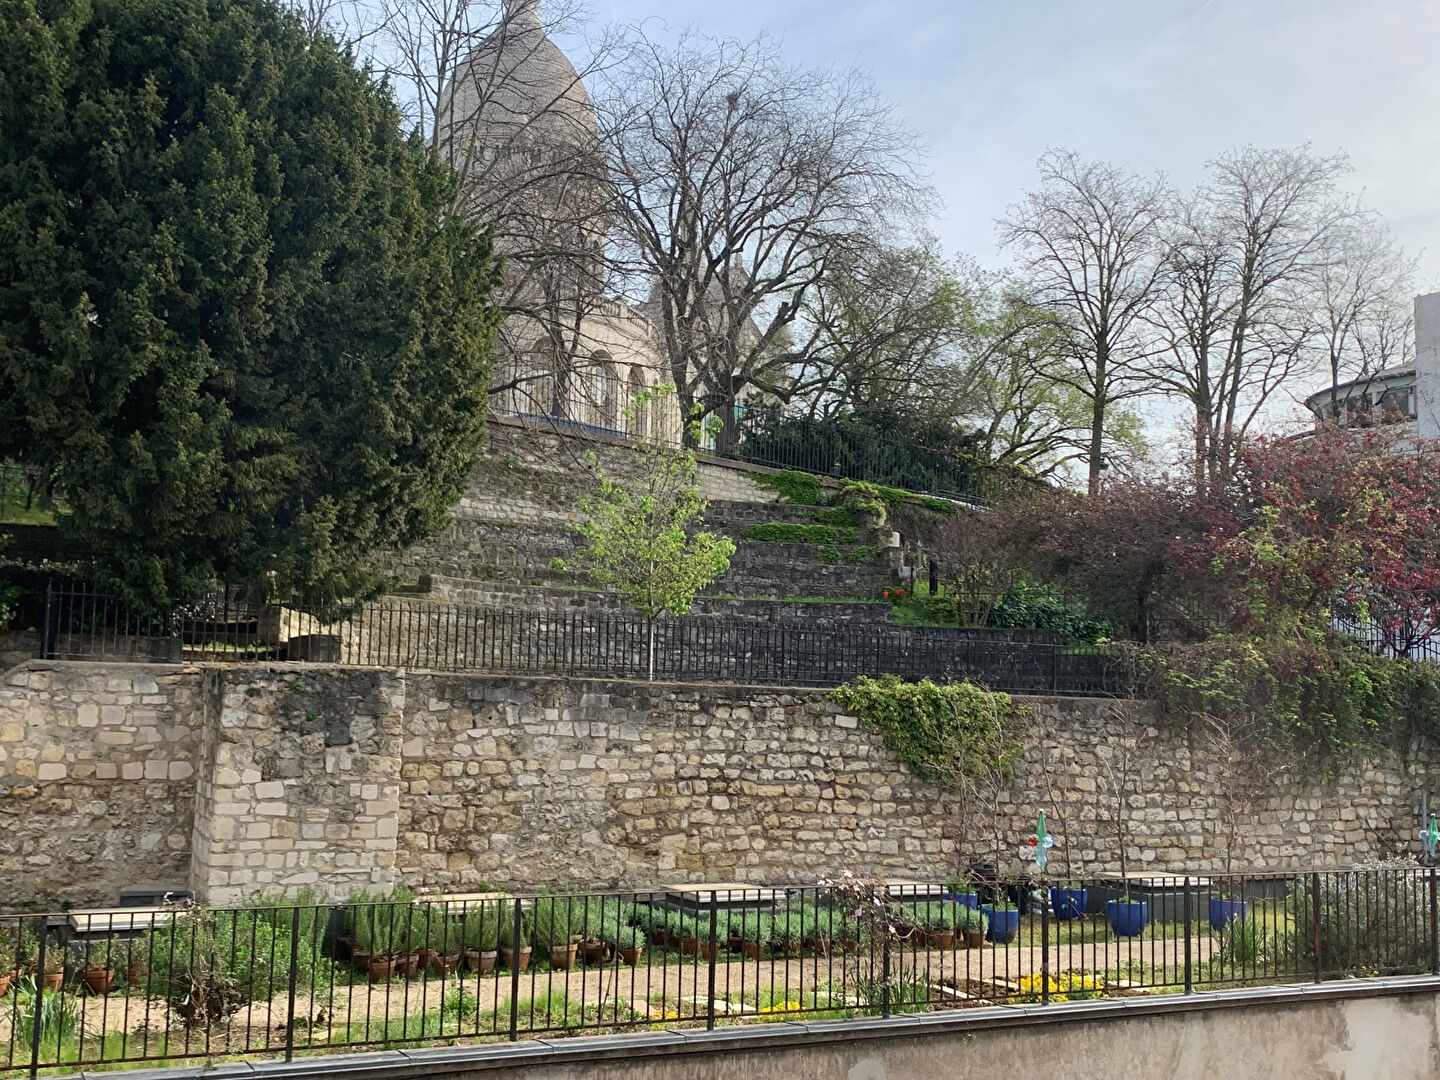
(516, 961)
(632, 954)
(940, 939)
(407, 965)
(974, 939)
(361, 959)
(481, 960)
(659, 938)
(100, 980)
(444, 963)
(135, 974)
(425, 956)
(734, 942)
(689, 946)
(4, 984)
(380, 968)
(594, 952)
(751, 950)
(563, 956)
(53, 981)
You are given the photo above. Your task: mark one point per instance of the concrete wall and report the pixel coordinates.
(1427, 365)
(1238, 1037)
(291, 776)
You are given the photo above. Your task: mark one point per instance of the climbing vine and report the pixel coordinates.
(1311, 698)
(944, 733)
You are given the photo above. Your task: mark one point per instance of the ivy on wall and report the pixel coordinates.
(1309, 698)
(944, 733)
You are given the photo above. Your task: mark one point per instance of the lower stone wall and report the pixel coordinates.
(277, 777)
(98, 767)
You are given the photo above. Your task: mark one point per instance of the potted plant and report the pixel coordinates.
(1237, 780)
(7, 968)
(960, 891)
(753, 931)
(480, 938)
(972, 924)
(1127, 917)
(509, 957)
(557, 928)
(784, 936)
(594, 950)
(99, 978)
(53, 976)
(444, 944)
(1069, 897)
(135, 973)
(629, 942)
(939, 925)
(1003, 919)
(374, 941)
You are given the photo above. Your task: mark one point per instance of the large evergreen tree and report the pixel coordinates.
(236, 322)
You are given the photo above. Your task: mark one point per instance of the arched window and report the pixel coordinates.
(605, 390)
(637, 413)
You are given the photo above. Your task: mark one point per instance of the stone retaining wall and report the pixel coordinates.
(98, 767)
(332, 777)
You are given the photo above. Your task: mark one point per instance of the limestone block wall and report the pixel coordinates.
(98, 769)
(243, 779)
(300, 786)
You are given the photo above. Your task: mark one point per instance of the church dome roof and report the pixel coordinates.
(517, 85)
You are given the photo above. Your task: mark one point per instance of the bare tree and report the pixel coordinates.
(1246, 256)
(1090, 238)
(885, 324)
(1363, 304)
(739, 183)
(1021, 393)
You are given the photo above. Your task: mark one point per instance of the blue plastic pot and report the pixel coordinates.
(1068, 903)
(1127, 917)
(1004, 925)
(964, 899)
(1224, 912)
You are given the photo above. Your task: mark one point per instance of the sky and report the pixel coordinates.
(1153, 85)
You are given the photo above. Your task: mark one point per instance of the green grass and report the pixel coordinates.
(14, 497)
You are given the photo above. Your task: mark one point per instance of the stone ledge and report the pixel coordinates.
(796, 1034)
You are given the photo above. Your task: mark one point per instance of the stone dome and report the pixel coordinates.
(518, 87)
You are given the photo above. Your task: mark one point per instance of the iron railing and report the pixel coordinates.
(595, 403)
(1421, 643)
(81, 624)
(106, 987)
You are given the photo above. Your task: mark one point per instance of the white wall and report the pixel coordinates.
(1427, 364)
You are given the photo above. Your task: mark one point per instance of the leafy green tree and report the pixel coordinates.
(237, 326)
(637, 537)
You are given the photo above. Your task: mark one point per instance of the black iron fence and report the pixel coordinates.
(101, 988)
(81, 624)
(1419, 643)
(596, 403)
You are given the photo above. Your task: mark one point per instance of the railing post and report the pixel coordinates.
(294, 973)
(1054, 669)
(710, 987)
(1044, 951)
(515, 973)
(885, 974)
(1189, 924)
(1315, 921)
(39, 998)
(46, 651)
(1434, 923)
